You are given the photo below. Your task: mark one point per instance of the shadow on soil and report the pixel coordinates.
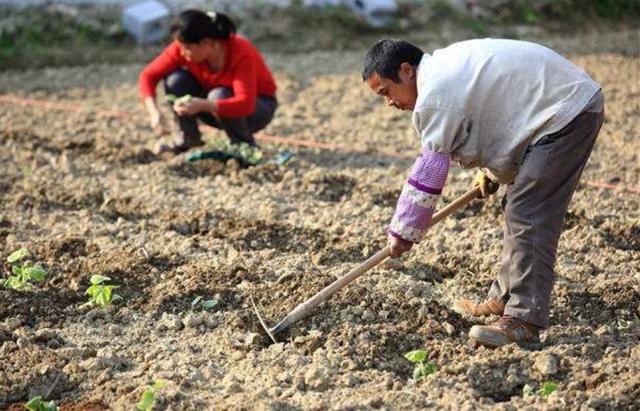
(48, 305)
(597, 307)
(245, 234)
(339, 160)
(625, 238)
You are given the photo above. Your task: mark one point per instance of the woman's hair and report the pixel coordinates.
(193, 26)
(386, 56)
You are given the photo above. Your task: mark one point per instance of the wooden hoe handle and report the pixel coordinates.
(303, 309)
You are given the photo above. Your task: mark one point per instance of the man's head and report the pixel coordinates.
(389, 69)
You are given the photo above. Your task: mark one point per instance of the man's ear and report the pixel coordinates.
(408, 70)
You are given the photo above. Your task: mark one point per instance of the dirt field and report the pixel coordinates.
(82, 193)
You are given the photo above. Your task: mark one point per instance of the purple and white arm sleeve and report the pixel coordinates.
(420, 193)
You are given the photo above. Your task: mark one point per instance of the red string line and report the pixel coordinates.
(290, 141)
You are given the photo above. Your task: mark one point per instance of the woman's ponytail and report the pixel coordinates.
(223, 25)
(193, 26)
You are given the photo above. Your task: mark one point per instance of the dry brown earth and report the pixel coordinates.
(79, 190)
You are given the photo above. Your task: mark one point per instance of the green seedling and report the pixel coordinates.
(423, 368)
(247, 154)
(204, 304)
(36, 404)
(18, 255)
(148, 398)
(528, 391)
(179, 100)
(99, 293)
(547, 389)
(24, 271)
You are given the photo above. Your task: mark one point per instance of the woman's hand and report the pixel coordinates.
(398, 246)
(194, 106)
(158, 122)
(156, 119)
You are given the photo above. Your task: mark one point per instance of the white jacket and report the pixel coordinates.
(484, 101)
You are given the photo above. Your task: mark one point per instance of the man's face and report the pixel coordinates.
(401, 95)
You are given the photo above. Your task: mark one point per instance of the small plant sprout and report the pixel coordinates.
(18, 255)
(36, 404)
(547, 389)
(148, 398)
(203, 304)
(249, 155)
(179, 100)
(423, 368)
(99, 293)
(528, 391)
(24, 271)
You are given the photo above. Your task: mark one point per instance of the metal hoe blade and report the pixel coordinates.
(262, 323)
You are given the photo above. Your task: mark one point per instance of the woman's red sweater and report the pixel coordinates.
(244, 71)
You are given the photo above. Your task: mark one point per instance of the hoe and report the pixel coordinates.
(306, 307)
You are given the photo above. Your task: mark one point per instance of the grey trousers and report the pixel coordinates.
(534, 206)
(238, 129)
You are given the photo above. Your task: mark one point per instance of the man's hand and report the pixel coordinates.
(487, 186)
(398, 246)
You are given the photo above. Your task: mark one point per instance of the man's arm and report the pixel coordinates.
(418, 199)
(438, 129)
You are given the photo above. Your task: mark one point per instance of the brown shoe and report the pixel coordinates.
(489, 307)
(505, 331)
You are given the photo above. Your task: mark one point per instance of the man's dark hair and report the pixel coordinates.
(386, 56)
